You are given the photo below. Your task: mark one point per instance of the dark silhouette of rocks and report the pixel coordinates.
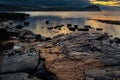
(38, 37)
(117, 40)
(26, 23)
(69, 25)
(19, 27)
(76, 26)
(13, 16)
(50, 28)
(99, 29)
(72, 29)
(4, 35)
(88, 27)
(46, 22)
(6, 46)
(115, 22)
(47, 38)
(83, 29)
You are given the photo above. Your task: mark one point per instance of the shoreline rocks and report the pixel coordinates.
(76, 56)
(13, 16)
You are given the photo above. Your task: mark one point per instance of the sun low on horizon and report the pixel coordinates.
(106, 2)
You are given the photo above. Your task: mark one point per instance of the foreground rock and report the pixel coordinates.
(18, 76)
(104, 73)
(18, 63)
(21, 60)
(70, 57)
(77, 56)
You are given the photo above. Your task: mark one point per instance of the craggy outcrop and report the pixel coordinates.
(70, 57)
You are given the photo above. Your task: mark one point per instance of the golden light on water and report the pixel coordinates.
(107, 3)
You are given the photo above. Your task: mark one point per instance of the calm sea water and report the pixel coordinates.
(38, 19)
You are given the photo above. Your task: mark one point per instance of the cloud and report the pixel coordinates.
(46, 2)
(106, 2)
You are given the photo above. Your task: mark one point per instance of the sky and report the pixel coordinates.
(100, 2)
(106, 2)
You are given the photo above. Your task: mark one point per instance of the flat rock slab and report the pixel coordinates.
(109, 60)
(18, 63)
(105, 73)
(17, 76)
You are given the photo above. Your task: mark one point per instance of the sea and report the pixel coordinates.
(108, 20)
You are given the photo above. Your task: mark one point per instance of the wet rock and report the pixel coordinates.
(17, 76)
(104, 73)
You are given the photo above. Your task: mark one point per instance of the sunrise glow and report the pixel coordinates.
(107, 3)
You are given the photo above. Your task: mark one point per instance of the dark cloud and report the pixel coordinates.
(46, 2)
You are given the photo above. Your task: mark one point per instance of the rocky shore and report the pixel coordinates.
(75, 56)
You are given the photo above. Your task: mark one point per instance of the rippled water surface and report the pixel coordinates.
(38, 19)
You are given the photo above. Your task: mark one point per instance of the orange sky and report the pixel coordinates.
(106, 2)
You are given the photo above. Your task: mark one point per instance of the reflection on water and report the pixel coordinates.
(37, 20)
